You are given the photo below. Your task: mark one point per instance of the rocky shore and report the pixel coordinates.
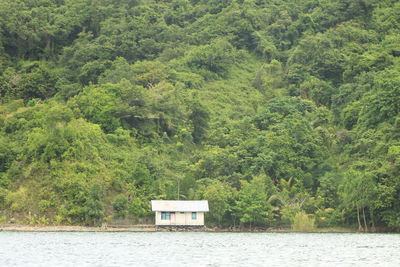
(152, 228)
(66, 228)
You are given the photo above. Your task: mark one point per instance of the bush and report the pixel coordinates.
(329, 217)
(58, 220)
(303, 222)
(215, 58)
(43, 221)
(120, 206)
(3, 219)
(18, 200)
(289, 213)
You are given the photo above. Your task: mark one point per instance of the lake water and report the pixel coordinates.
(197, 249)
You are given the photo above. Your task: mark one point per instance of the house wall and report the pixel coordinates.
(180, 218)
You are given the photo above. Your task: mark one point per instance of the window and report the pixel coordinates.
(194, 216)
(165, 216)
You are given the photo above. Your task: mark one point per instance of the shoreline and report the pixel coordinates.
(152, 228)
(74, 228)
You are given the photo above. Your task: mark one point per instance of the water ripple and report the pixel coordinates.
(197, 249)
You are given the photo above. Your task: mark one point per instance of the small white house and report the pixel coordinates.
(179, 212)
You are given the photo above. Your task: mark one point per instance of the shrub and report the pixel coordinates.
(329, 217)
(303, 222)
(120, 206)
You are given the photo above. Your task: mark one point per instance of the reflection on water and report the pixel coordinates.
(197, 249)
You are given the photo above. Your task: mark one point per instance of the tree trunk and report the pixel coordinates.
(358, 219)
(49, 46)
(179, 189)
(365, 220)
(373, 229)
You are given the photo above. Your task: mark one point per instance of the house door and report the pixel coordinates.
(173, 218)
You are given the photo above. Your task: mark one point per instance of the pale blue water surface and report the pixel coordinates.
(197, 249)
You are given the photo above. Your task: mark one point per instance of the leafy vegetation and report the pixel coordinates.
(280, 113)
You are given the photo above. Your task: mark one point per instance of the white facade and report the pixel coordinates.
(179, 218)
(179, 213)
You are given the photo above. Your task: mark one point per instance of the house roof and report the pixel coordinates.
(179, 205)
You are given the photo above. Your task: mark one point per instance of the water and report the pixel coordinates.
(197, 249)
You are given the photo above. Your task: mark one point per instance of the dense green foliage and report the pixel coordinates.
(280, 113)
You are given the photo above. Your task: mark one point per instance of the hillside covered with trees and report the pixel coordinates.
(276, 111)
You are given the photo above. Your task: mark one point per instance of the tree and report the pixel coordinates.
(94, 210)
(200, 118)
(214, 58)
(358, 192)
(289, 200)
(252, 207)
(195, 98)
(120, 206)
(219, 196)
(100, 105)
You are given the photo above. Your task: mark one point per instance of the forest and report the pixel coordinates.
(281, 113)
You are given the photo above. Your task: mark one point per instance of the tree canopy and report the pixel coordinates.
(274, 111)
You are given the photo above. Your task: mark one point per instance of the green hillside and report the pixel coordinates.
(282, 113)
